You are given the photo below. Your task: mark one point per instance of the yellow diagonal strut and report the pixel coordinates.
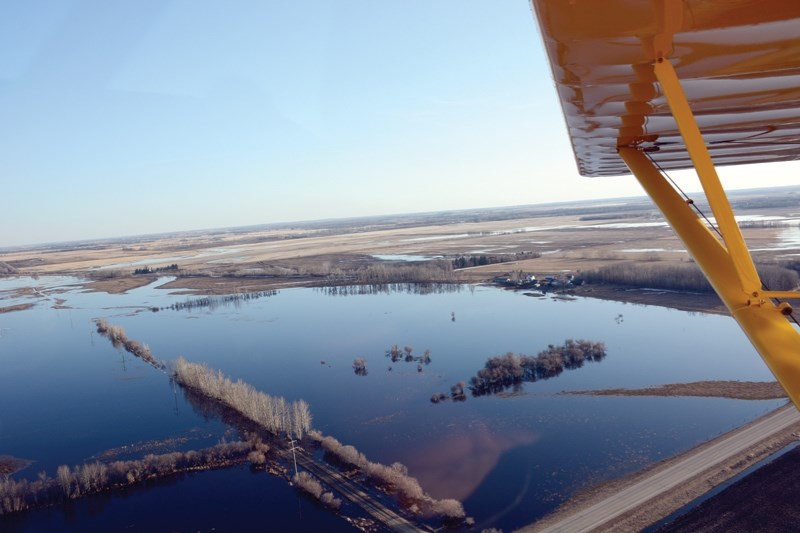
(749, 281)
(773, 336)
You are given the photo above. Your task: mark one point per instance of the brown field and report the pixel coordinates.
(740, 390)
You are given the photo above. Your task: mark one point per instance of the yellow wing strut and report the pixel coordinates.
(687, 125)
(727, 264)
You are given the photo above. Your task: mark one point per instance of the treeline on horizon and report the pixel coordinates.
(683, 277)
(503, 371)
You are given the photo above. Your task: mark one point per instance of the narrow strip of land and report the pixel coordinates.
(738, 441)
(741, 390)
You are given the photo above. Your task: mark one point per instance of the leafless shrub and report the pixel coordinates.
(308, 483)
(447, 508)
(64, 479)
(360, 366)
(406, 354)
(329, 501)
(256, 458)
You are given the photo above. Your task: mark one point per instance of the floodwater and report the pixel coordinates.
(67, 396)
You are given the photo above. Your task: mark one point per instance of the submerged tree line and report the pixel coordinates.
(511, 369)
(421, 288)
(213, 302)
(119, 339)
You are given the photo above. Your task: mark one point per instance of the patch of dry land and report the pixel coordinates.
(740, 390)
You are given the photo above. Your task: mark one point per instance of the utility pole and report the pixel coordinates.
(292, 441)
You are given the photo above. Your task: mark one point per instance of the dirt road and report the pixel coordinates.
(660, 482)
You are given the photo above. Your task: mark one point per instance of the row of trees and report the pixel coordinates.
(394, 478)
(681, 277)
(465, 261)
(118, 338)
(507, 370)
(91, 478)
(150, 270)
(438, 270)
(223, 300)
(422, 288)
(274, 414)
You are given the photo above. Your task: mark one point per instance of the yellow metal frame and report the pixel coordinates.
(726, 263)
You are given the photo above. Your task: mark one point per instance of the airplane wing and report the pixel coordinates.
(653, 85)
(738, 62)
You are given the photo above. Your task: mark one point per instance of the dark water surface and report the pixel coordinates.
(67, 396)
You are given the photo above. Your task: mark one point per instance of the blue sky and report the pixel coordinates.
(125, 118)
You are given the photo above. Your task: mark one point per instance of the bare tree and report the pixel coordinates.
(360, 366)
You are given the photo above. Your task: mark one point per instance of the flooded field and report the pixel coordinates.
(68, 396)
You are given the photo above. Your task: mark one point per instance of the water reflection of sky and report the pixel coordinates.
(66, 394)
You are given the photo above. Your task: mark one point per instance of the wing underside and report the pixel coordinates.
(738, 62)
